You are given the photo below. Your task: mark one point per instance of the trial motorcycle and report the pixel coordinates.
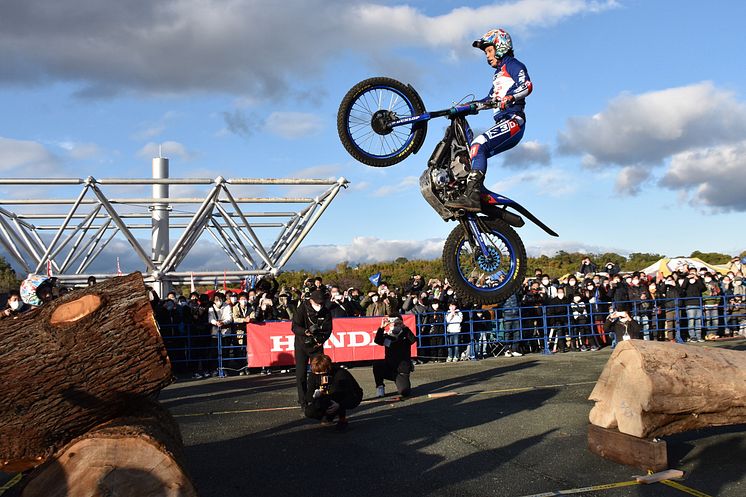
(382, 121)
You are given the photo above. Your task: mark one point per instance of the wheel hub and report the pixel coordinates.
(380, 121)
(490, 261)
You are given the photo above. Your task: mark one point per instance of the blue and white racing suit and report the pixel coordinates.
(511, 78)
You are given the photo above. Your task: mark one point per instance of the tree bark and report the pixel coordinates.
(138, 456)
(74, 363)
(650, 389)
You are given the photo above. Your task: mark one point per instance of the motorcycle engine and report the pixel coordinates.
(440, 178)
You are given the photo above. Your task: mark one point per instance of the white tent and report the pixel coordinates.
(668, 265)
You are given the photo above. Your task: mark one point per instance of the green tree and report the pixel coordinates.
(8, 278)
(712, 257)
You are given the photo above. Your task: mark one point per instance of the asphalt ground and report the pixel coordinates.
(516, 427)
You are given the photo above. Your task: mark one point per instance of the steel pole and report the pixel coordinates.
(160, 222)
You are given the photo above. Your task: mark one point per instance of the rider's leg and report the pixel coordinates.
(504, 135)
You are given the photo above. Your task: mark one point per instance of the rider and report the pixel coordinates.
(510, 86)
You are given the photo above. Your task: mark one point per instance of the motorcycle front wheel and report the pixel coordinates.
(485, 278)
(363, 117)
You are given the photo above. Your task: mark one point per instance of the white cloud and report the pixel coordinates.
(293, 125)
(641, 132)
(406, 184)
(364, 250)
(26, 158)
(647, 128)
(81, 151)
(526, 154)
(552, 246)
(187, 46)
(714, 176)
(548, 182)
(168, 149)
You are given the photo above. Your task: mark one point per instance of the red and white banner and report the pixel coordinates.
(272, 344)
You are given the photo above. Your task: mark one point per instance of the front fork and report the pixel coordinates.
(474, 234)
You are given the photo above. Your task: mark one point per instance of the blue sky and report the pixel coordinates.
(635, 139)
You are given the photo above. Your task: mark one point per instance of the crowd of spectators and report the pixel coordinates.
(575, 313)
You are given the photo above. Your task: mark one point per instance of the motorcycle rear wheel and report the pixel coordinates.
(485, 279)
(363, 116)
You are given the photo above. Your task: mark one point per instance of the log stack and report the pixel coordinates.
(79, 377)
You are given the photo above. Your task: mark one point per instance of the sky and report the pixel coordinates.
(635, 138)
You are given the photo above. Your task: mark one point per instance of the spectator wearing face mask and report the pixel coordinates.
(14, 307)
(580, 324)
(635, 289)
(374, 305)
(285, 305)
(622, 327)
(547, 288)
(241, 317)
(336, 304)
(572, 287)
(557, 318)
(396, 365)
(711, 301)
(692, 300)
(587, 267)
(413, 305)
(312, 326)
(432, 324)
(670, 293)
(511, 324)
(737, 308)
(726, 291)
(220, 317)
(611, 268)
(454, 318)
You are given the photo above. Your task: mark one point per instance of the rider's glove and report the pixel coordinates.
(506, 101)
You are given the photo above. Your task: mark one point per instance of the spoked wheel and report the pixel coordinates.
(485, 277)
(364, 116)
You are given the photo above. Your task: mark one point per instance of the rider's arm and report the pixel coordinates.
(522, 86)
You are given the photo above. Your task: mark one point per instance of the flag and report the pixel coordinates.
(192, 288)
(119, 269)
(225, 283)
(375, 278)
(49, 268)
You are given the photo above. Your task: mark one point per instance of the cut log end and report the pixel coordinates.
(75, 310)
(111, 466)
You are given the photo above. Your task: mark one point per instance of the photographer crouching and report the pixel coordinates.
(332, 391)
(397, 363)
(312, 326)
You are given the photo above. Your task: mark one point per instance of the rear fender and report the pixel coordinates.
(495, 204)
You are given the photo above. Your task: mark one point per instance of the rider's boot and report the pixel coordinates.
(471, 199)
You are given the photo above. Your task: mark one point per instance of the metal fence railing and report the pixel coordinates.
(484, 333)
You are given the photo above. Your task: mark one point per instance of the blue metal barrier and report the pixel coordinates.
(543, 329)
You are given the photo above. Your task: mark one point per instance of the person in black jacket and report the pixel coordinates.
(332, 391)
(312, 326)
(622, 327)
(693, 288)
(397, 362)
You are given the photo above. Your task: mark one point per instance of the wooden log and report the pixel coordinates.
(647, 455)
(74, 363)
(139, 456)
(650, 389)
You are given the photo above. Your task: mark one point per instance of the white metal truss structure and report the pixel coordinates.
(69, 234)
